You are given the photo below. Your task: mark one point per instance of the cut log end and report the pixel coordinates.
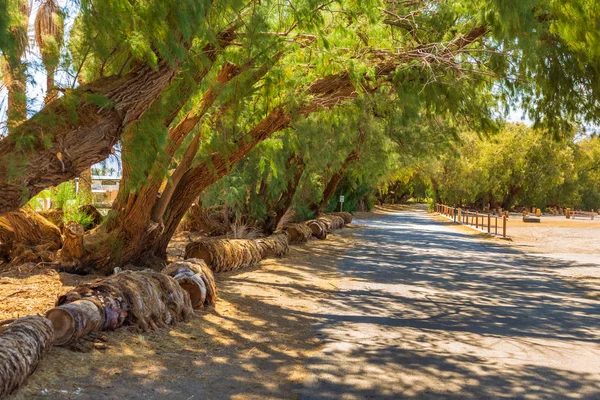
(64, 326)
(193, 290)
(75, 320)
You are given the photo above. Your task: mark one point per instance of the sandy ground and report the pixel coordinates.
(428, 310)
(573, 243)
(253, 345)
(276, 326)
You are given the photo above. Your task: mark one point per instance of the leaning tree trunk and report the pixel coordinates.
(77, 138)
(333, 183)
(284, 203)
(139, 240)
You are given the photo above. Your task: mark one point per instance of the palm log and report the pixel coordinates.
(194, 276)
(346, 216)
(276, 245)
(146, 300)
(318, 228)
(23, 344)
(223, 255)
(299, 233)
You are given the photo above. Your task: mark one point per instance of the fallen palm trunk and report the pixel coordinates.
(335, 221)
(318, 228)
(23, 344)
(147, 300)
(223, 255)
(346, 216)
(299, 233)
(194, 276)
(327, 223)
(276, 245)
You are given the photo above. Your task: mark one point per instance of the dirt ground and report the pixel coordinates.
(576, 241)
(261, 325)
(262, 322)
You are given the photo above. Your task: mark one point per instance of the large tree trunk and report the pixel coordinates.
(139, 240)
(78, 137)
(283, 204)
(85, 186)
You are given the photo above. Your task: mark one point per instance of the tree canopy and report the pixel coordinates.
(267, 106)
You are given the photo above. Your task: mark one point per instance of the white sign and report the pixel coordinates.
(341, 199)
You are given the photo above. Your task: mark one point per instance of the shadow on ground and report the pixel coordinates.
(414, 310)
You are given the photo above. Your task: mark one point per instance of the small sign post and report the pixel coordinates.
(341, 203)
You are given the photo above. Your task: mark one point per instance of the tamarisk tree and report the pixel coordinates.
(189, 89)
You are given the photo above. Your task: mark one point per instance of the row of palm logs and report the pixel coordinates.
(145, 300)
(225, 255)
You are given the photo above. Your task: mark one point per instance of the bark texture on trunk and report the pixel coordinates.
(23, 345)
(73, 250)
(140, 240)
(284, 202)
(333, 183)
(86, 125)
(85, 186)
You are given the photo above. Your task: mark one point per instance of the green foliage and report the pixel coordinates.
(63, 194)
(518, 166)
(72, 213)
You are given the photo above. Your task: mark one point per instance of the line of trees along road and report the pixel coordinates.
(293, 99)
(516, 167)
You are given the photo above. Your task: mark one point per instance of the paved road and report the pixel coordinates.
(427, 312)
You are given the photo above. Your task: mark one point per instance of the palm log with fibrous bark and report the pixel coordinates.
(194, 276)
(223, 255)
(318, 228)
(23, 345)
(333, 221)
(346, 216)
(275, 245)
(298, 233)
(146, 300)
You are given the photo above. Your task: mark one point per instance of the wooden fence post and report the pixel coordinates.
(504, 226)
(476, 220)
(489, 222)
